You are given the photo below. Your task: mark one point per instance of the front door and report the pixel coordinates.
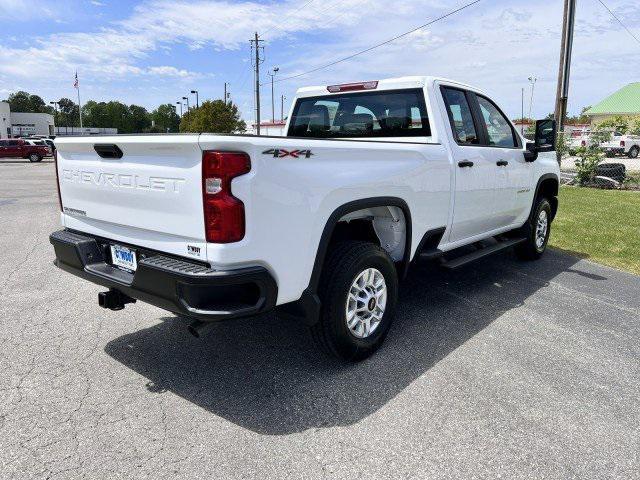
(512, 172)
(475, 171)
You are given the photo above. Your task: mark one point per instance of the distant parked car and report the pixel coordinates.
(628, 145)
(47, 141)
(20, 148)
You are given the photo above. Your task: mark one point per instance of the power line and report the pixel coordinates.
(442, 17)
(620, 21)
(281, 21)
(340, 15)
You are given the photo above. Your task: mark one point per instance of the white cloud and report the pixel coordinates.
(495, 45)
(24, 11)
(168, 71)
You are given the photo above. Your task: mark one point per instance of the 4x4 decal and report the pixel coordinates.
(281, 153)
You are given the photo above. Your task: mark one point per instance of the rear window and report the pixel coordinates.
(399, 113)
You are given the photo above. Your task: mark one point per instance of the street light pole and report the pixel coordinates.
(187, 99)
(180, 103)
(197, 99)
(522, 112)
(273, 109)
(532, 80)
(55, 106)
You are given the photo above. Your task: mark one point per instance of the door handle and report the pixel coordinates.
(465, 163)
(502, 163)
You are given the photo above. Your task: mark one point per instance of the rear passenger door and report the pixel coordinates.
(512, 172)
(475, 171)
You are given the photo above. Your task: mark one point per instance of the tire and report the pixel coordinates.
(615, 171)
(34, 157)
(633, 153)
(537, 235)
(353, 270)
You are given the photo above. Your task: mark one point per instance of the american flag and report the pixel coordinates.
(75, 83)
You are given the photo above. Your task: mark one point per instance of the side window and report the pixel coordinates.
(460, 115)
(499, 131)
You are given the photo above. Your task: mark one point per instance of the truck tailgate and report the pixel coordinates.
(151, 196)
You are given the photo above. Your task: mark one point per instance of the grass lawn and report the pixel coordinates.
(601, 225)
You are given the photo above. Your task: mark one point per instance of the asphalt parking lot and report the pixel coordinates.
(503, 369)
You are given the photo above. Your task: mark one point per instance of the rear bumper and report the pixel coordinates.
(179, 286)
(615, 150)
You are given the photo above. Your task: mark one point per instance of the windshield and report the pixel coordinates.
(400, 113)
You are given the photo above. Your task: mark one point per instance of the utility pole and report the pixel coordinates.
(282, 98)
(566, 45)
(225, 93)
(255, 43)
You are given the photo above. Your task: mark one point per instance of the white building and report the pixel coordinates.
(25, 124)
(20, 124)
(275, 129)
(5, 120)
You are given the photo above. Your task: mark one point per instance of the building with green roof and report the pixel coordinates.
(624, 102)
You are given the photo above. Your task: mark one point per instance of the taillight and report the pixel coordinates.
(55, 165)
(223, 213)
(622, 143)
(583, 143)
(351, 87)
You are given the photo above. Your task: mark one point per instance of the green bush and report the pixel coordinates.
(588, 159)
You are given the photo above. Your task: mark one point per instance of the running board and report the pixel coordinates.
(482, 252)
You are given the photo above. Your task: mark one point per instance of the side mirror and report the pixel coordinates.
(545, 140)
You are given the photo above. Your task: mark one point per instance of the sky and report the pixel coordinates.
(156, 51)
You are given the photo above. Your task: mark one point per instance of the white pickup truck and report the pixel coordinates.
(323, 223)
(619, 144)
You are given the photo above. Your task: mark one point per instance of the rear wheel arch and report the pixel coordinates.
(332, 226)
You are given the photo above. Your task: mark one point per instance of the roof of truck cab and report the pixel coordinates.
(384, 84)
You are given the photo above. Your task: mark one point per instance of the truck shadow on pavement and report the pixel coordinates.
(265, 375)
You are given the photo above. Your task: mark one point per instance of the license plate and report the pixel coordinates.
(124, 258)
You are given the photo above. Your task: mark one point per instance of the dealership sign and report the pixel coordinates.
(22, 129)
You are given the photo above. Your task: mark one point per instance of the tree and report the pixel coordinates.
(139, 119)
(165, 118)
(618, 123)
(68, 113)
(22, 101)
(114, 114)
(213, 116)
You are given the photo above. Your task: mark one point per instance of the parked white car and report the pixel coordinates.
(628, 145)
(323, 223)
(585, 139)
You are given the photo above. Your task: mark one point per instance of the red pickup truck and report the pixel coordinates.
(19, 148)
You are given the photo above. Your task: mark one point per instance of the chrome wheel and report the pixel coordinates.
(366, 303)
(542, 226)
